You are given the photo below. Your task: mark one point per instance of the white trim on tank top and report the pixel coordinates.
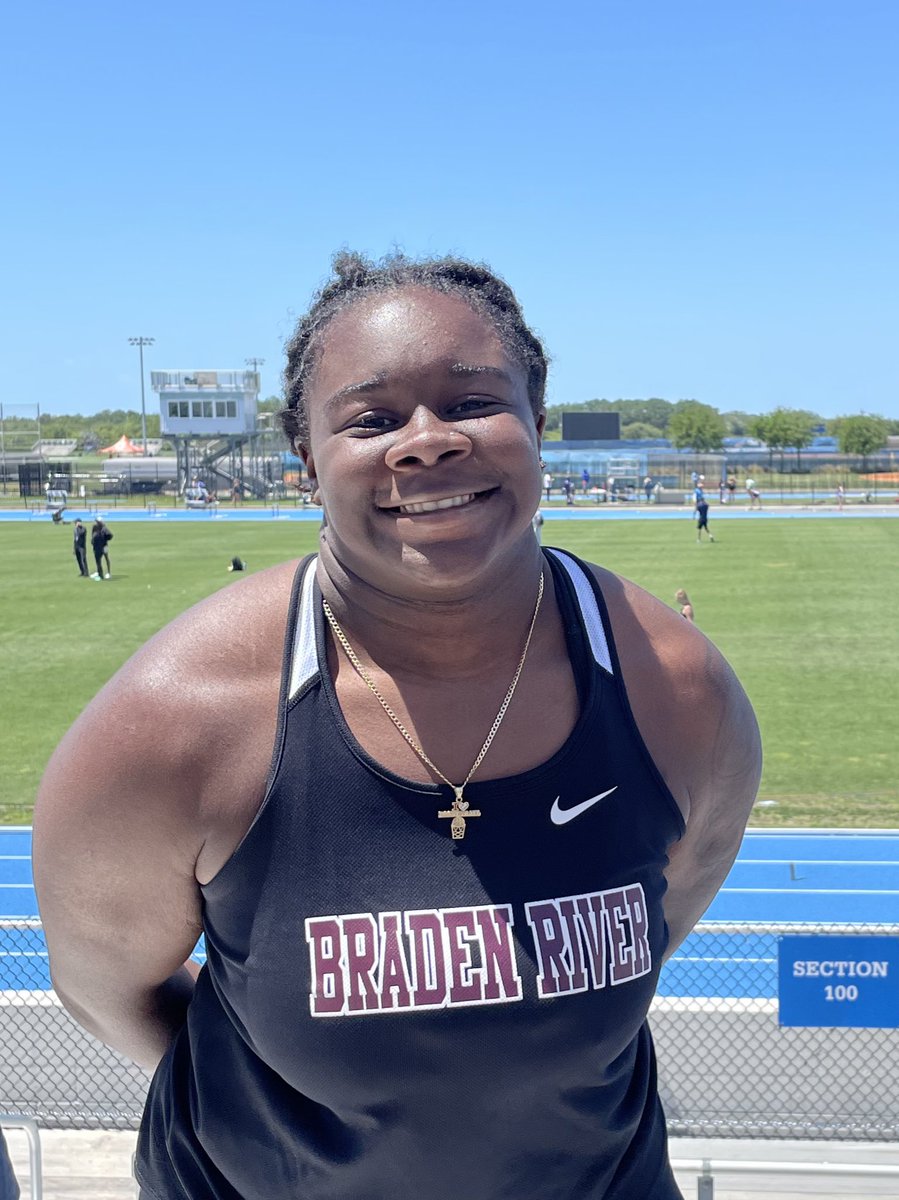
(303, 657)
(589, 607)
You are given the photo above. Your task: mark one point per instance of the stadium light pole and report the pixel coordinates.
(255, 363)
(140, 342)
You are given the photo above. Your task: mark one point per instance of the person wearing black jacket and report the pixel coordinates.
(101, 535)
(79, 547)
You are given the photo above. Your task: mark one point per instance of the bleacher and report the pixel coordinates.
(55, 447)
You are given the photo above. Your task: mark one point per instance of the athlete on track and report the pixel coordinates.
(430, 855)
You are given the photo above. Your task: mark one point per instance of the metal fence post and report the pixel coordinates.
(705, 1183)
(30, 1129)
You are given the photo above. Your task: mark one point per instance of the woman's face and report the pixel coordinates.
(422, 442)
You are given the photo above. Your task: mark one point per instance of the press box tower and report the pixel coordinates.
(206, 404)
(211, 418)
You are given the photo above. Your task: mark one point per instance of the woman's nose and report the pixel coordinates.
(425, 440)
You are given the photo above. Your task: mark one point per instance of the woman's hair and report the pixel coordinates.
(354, 277)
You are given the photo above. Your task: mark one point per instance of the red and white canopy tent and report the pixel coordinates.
(123, 446)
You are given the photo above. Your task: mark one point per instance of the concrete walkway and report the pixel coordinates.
(97, 1166)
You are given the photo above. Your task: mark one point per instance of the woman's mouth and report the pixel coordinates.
(416, 508)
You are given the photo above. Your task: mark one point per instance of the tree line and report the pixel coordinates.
(690, 425)
(686, 424)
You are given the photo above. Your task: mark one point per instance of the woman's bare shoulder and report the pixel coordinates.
(174, 751)
(247, 613)
(679, 684)
(646, 628)
(182, 695)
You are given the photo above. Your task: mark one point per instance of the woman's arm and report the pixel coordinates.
(116, 840)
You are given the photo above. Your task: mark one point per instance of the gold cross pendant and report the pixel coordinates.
(460, 813)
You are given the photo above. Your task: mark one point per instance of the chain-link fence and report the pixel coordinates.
(50, 1069)
(656, 476)
(726, 1067)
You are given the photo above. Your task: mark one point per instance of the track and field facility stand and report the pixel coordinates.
(802, 933)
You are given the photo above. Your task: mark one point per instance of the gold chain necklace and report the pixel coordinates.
(460, 811)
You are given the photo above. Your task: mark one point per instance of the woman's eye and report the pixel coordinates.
(371, 422)
(472, 404)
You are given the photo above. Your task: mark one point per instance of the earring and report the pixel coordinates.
(542, 465)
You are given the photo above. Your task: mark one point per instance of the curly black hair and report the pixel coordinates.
(354, 276)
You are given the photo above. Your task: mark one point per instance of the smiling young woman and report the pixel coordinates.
(436, 798)
(424, 447)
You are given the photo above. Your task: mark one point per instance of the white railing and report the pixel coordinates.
(30, 1129)
(707, 1168)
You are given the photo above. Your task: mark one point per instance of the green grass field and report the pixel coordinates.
(804, 610)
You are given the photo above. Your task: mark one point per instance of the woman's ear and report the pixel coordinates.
(541, 425)
(309, 463)
(305, 455)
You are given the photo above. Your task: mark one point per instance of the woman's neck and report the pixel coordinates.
(461, 633)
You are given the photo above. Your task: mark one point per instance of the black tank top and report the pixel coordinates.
(388, 1014)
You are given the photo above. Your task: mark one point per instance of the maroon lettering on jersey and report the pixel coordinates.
(609, 930)
(450, 957)
(551, 944)
(466, 982)
(325, 946)
(568, 910)
(360, 938)
(625, 913)
(501, 978)
(593, 931)
(394, 987)
(428, 967)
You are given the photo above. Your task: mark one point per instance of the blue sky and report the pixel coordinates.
(692, 199)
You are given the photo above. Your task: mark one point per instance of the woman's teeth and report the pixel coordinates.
(434, 505)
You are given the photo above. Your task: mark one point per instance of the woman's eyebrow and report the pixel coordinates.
(469, 369)
(352, 389)
(465, 370)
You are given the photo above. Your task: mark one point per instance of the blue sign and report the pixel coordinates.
(828, 981)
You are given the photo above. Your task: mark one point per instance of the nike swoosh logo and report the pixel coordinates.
(561, 816)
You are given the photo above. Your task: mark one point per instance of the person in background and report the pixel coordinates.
(236, 492)
(568, 489)
(702, 518)
(435, 907)
(237, 564)
(683, 600)
(585, 481)
(101, 536)
(647, 488)
(755, 496)
(547, 484)
(79, 547)
(731, 485)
